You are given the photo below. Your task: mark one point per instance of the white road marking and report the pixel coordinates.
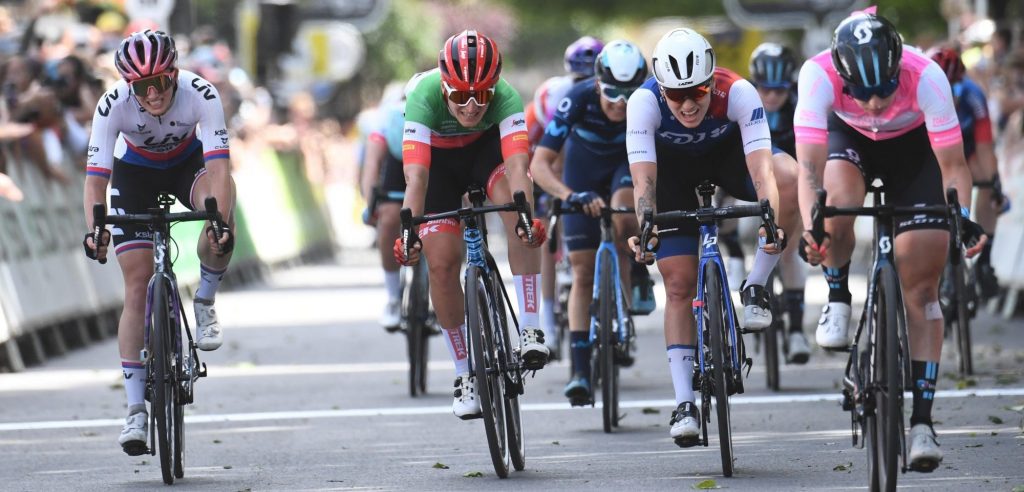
(442, 410)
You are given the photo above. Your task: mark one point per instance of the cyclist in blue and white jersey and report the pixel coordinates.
(590, 125)
(694, 122)
(160, 129)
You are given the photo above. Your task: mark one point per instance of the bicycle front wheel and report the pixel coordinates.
(721, 359)
(513, 377)
(416, 313)
(606, 343)
(489, 380)
(963, 319)
(163, 390)
(771, 338)
(888, 379)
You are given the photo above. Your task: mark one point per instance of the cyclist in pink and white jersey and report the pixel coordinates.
(868, 108)
(159, 130)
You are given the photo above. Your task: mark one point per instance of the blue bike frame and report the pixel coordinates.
(608, 245)
(709, 252)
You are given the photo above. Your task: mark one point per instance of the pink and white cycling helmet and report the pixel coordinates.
(145, 53)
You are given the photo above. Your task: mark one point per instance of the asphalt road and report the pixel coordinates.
(308, 393)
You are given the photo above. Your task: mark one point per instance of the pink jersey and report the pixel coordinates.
(923, 96)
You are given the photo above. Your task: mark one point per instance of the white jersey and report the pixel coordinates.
(122, 129)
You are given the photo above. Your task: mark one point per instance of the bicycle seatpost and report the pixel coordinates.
(523, 209)
(99, 219)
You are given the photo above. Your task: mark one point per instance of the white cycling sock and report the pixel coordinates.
(134, 382)
(209, 280)
(680, 364)
(455, 340)
(762, 267)
(527, 294)
(393, 284)
(547, 319)
(792, 269)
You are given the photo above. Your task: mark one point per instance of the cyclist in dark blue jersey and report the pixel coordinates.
(589, 125)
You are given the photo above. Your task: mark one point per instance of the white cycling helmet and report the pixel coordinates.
(683, 58)
(621, 63)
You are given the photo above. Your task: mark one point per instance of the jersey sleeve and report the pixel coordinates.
(746, 109)
(815, 96)
(213, 131)
(935, 98)
(416, 130)
(511, 120)
(567, 114)
(978, 105)
(642, 121)
(100, 159)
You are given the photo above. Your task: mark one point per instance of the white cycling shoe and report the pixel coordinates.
(685, 424)
(210, 336)
(834, 326)
(134, 433)
(466, 405)
(925, 454)
(534, 353)
(391, 318)
(799, 350)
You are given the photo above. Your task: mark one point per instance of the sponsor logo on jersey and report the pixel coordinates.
(203, 89)
(108, 101)
(220, 132)
(757, 114)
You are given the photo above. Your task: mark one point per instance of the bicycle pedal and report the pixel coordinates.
(687, 442)
(534, 361)
(925, 466)
(845, 349)
(135, 448)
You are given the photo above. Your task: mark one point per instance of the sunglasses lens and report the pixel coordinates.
(462, 98)
(160, 82)
(615, 94)
(695, 93)
(866, 93)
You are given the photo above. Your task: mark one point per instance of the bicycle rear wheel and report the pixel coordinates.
(490, 383)
(721, 360)
(417, 333)
(771, 338)
(965, 363)
(888, 379)
(606, 343)
(163, 390)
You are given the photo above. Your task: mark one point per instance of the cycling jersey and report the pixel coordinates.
(428, 123)
(580, 114)
(781, 125)
(545, 101)
(122, 129)
(735, 107)
(388, 127)
(923, 96)
(972, 110)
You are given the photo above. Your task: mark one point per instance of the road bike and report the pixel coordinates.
(611, 325)
(169, 352)
(878, 369)
(721, 354)
(417, 323)
(494, 360)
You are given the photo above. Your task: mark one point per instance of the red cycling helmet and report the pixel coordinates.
(469, 61)
(145, 53)
(949, 61)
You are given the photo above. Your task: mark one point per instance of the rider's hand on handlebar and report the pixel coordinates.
(590, 202)
(973, 237)
(780, 241)
(645, 257)
(812, 252)
(90, 246)
(414, 252)
(227, 239)
(370, 217)
(539, 234)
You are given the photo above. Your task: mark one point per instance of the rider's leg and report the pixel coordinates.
(547, 292)
(443, 251)
(845, 185)
(625, 227)
(578, 390)
(136, 268)
(792, 269)
(680, 276)
(212, 266)
(388, 229)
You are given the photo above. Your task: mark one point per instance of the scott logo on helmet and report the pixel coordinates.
(862, 32)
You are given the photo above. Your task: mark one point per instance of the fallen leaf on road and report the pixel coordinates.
(706, 485)
(555, 443)
(842, 467)
(440, 466)
(473, 474)
(974, 445)
(649, 411)
(994, 419)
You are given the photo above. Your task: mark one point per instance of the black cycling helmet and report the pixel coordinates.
(772, 66)
(866, 52)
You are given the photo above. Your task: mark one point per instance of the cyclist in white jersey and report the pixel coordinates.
(159, 130)
(868, 108)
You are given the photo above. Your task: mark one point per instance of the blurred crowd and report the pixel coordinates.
(56, 62)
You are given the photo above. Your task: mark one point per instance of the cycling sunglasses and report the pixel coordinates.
(463, 98)
(161, 82)
(696, 93)
(883, 90)
(614, 93)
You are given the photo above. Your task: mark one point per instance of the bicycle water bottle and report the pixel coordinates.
(474, 246)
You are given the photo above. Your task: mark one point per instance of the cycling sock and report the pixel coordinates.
(680, 364)
(731, 241)
(581, 350)
(793, 301)
(924, 374)
(526, 293)
(763, 265)
(985, 257)
(547, 319)
(134, 382)
(455, 340)
(134, 409)
(838, 283)
(209, 280)
(393, 284)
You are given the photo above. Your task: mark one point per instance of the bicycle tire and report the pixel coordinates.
(606, 343)
(720, 357)
(180, 401)
(965, 363)
(513, 380)
(416, 313)
(490, 382)
(771, 339)
(889, 379)
(163, 388)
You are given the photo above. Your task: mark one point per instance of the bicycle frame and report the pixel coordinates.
(608, 245)
(709, 252)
